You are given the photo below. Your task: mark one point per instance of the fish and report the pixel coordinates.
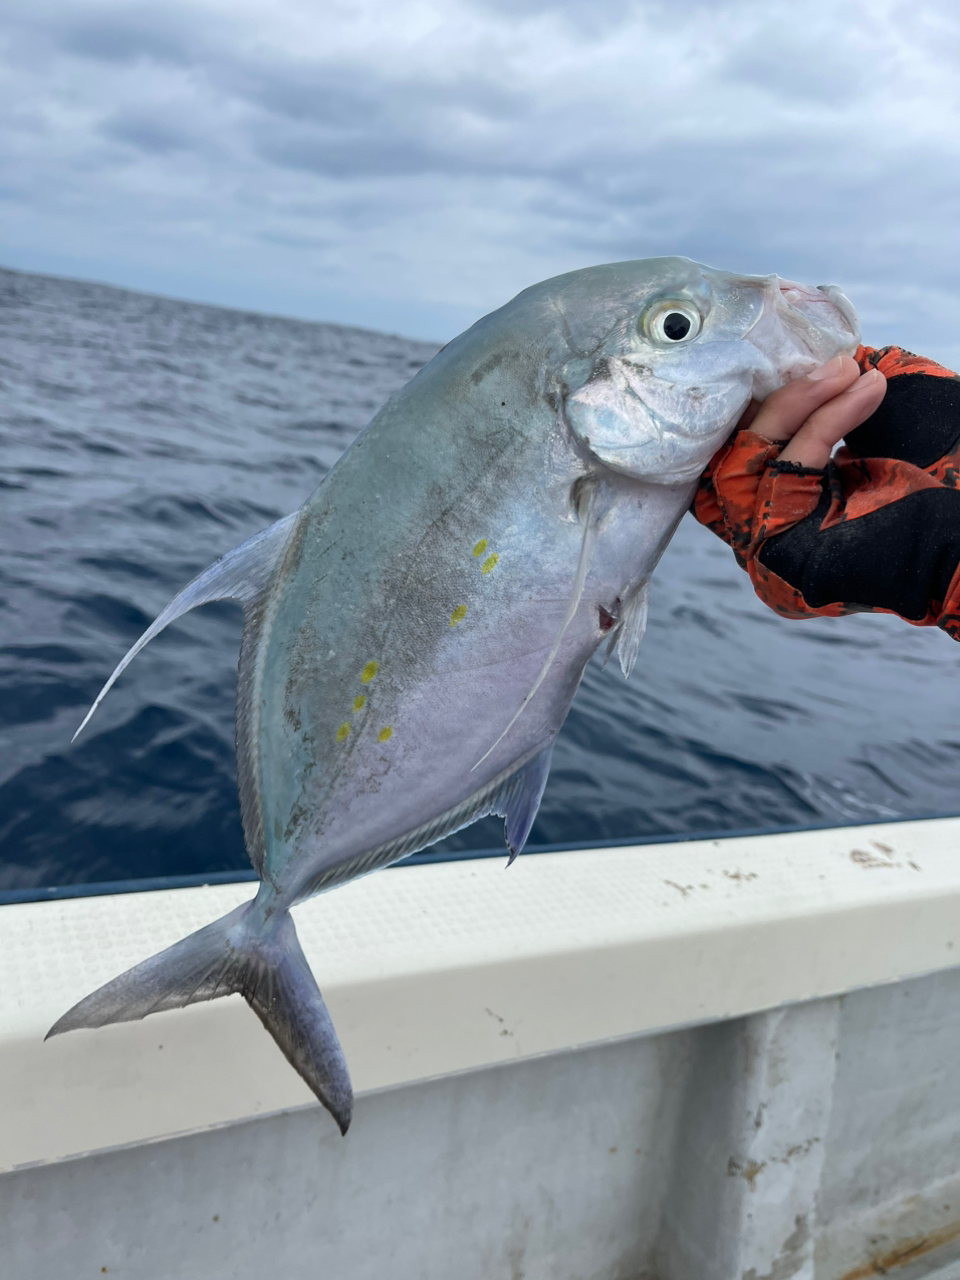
(415, 633)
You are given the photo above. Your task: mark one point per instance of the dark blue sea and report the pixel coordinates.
(142, 437)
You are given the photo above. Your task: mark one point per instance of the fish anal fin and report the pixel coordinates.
(242, 574)
(500, 796)
(520, 799)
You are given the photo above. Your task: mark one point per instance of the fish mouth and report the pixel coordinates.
(837, 298)
(800, 327)
(821, 312)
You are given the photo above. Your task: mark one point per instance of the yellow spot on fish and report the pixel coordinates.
(385, 733)
(358, 701)
(488, 564)
(480, 548)
(369, 671)
(343, 731)
(458, 615)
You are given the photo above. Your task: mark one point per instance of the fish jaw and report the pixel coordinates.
(665, 429)
(800, 328)
(659, 414)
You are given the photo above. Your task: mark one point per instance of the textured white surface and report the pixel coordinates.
(751, 1146)
(435, 969)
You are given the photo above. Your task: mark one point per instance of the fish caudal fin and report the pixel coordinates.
(268, 968)
(285, 997)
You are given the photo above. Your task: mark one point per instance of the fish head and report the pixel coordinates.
(667, 353)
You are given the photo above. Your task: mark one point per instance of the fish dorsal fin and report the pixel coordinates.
(242, 574)
(633, 624)
(519, 801)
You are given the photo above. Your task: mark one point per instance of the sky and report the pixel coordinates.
(408, 165)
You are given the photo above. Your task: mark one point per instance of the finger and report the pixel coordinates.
(785, 411)
(814, 442)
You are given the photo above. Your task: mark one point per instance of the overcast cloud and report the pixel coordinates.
(409, 166)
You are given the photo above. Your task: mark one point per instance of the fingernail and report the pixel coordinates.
(865, 380)
(828, 370)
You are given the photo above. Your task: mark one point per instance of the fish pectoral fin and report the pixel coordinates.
(235, 954)
(587, 511)
(519, 801)
(633, 624)
(242, 574)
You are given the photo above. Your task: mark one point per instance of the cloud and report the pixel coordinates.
(412, 165)
(151, 134)
(124, 36)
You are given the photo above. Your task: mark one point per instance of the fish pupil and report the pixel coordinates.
(676, 326)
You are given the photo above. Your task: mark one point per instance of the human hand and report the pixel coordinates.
(812, 414)
(877, 528)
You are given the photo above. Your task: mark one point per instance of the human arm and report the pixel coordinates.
(876, 527)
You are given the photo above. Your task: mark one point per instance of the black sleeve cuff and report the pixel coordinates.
(794, 468)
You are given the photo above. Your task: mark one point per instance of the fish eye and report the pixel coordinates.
(671, 322)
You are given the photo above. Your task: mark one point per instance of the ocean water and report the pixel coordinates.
(141, 437)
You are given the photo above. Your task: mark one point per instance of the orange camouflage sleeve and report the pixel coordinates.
(877, 530)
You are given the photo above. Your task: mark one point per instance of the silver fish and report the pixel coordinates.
(415, 633)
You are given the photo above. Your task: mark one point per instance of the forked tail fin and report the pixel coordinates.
(270, 971)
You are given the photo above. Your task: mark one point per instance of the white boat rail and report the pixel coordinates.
(661, 1022)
